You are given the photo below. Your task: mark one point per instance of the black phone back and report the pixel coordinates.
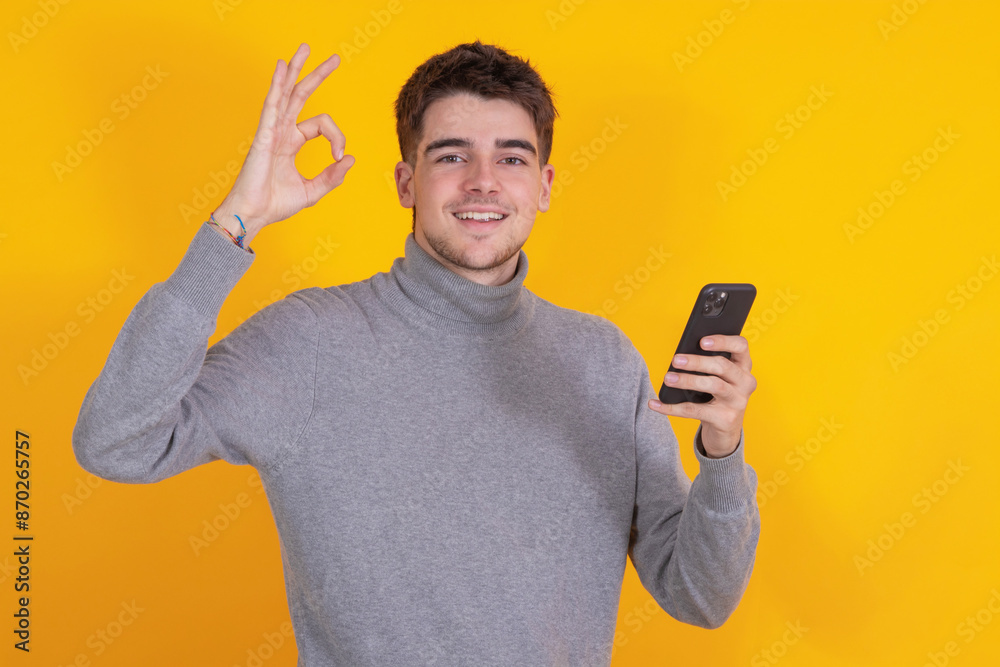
(721, 308)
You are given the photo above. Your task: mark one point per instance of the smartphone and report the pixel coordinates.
(721, 308)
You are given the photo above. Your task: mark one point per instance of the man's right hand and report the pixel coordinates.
(269, 188)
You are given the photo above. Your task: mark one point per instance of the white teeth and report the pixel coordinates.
(478, 216)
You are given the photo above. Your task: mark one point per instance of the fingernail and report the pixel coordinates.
(680, 361)
(708, 342)
(653, 403)
(671, 377)
(340, 155)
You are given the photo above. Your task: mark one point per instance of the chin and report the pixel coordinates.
(482, 258)
(481, 255)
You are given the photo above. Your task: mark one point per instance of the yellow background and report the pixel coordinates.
(831, 309)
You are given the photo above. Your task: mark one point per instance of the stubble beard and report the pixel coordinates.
(452, 254)
(444, 248)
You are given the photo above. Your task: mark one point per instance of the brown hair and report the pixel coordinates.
(484, 70)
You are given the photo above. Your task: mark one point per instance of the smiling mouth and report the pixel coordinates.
(481, 217)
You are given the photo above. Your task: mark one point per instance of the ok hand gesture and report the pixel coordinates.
(269, 188)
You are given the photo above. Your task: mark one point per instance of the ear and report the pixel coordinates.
(548, 175)
(404, 184)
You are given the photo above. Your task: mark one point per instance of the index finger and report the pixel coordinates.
(282, 82)
(292, 74)
(304, 88)
(737, 346)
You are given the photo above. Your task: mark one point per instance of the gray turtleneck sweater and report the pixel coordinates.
(457, 471)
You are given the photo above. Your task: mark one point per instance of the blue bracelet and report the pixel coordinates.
(238, 240)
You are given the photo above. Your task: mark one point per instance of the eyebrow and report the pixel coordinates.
(459, 142)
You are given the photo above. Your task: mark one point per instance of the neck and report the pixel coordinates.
(421, 288)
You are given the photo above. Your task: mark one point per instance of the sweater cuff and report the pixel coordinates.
(728, 483)
(209, 271)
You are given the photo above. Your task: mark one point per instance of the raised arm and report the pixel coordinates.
(163, 403)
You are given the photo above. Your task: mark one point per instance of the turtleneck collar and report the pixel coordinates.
(423, 289)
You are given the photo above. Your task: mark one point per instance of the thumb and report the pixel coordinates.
(330, 178)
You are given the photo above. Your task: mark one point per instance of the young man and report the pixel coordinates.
(458, 469)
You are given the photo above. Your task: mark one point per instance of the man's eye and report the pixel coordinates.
(447, 158)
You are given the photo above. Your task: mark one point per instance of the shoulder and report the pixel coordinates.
(299, 312)
(600, 358)
(338, 301)
(586, 332)
(330, 306)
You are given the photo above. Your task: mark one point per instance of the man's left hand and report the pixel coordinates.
(730, 383)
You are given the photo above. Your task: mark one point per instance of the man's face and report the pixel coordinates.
(475, 155)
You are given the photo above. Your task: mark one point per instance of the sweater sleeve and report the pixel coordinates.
(693, 544)
(163, 403)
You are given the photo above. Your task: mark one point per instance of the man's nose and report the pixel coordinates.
(482, 177)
